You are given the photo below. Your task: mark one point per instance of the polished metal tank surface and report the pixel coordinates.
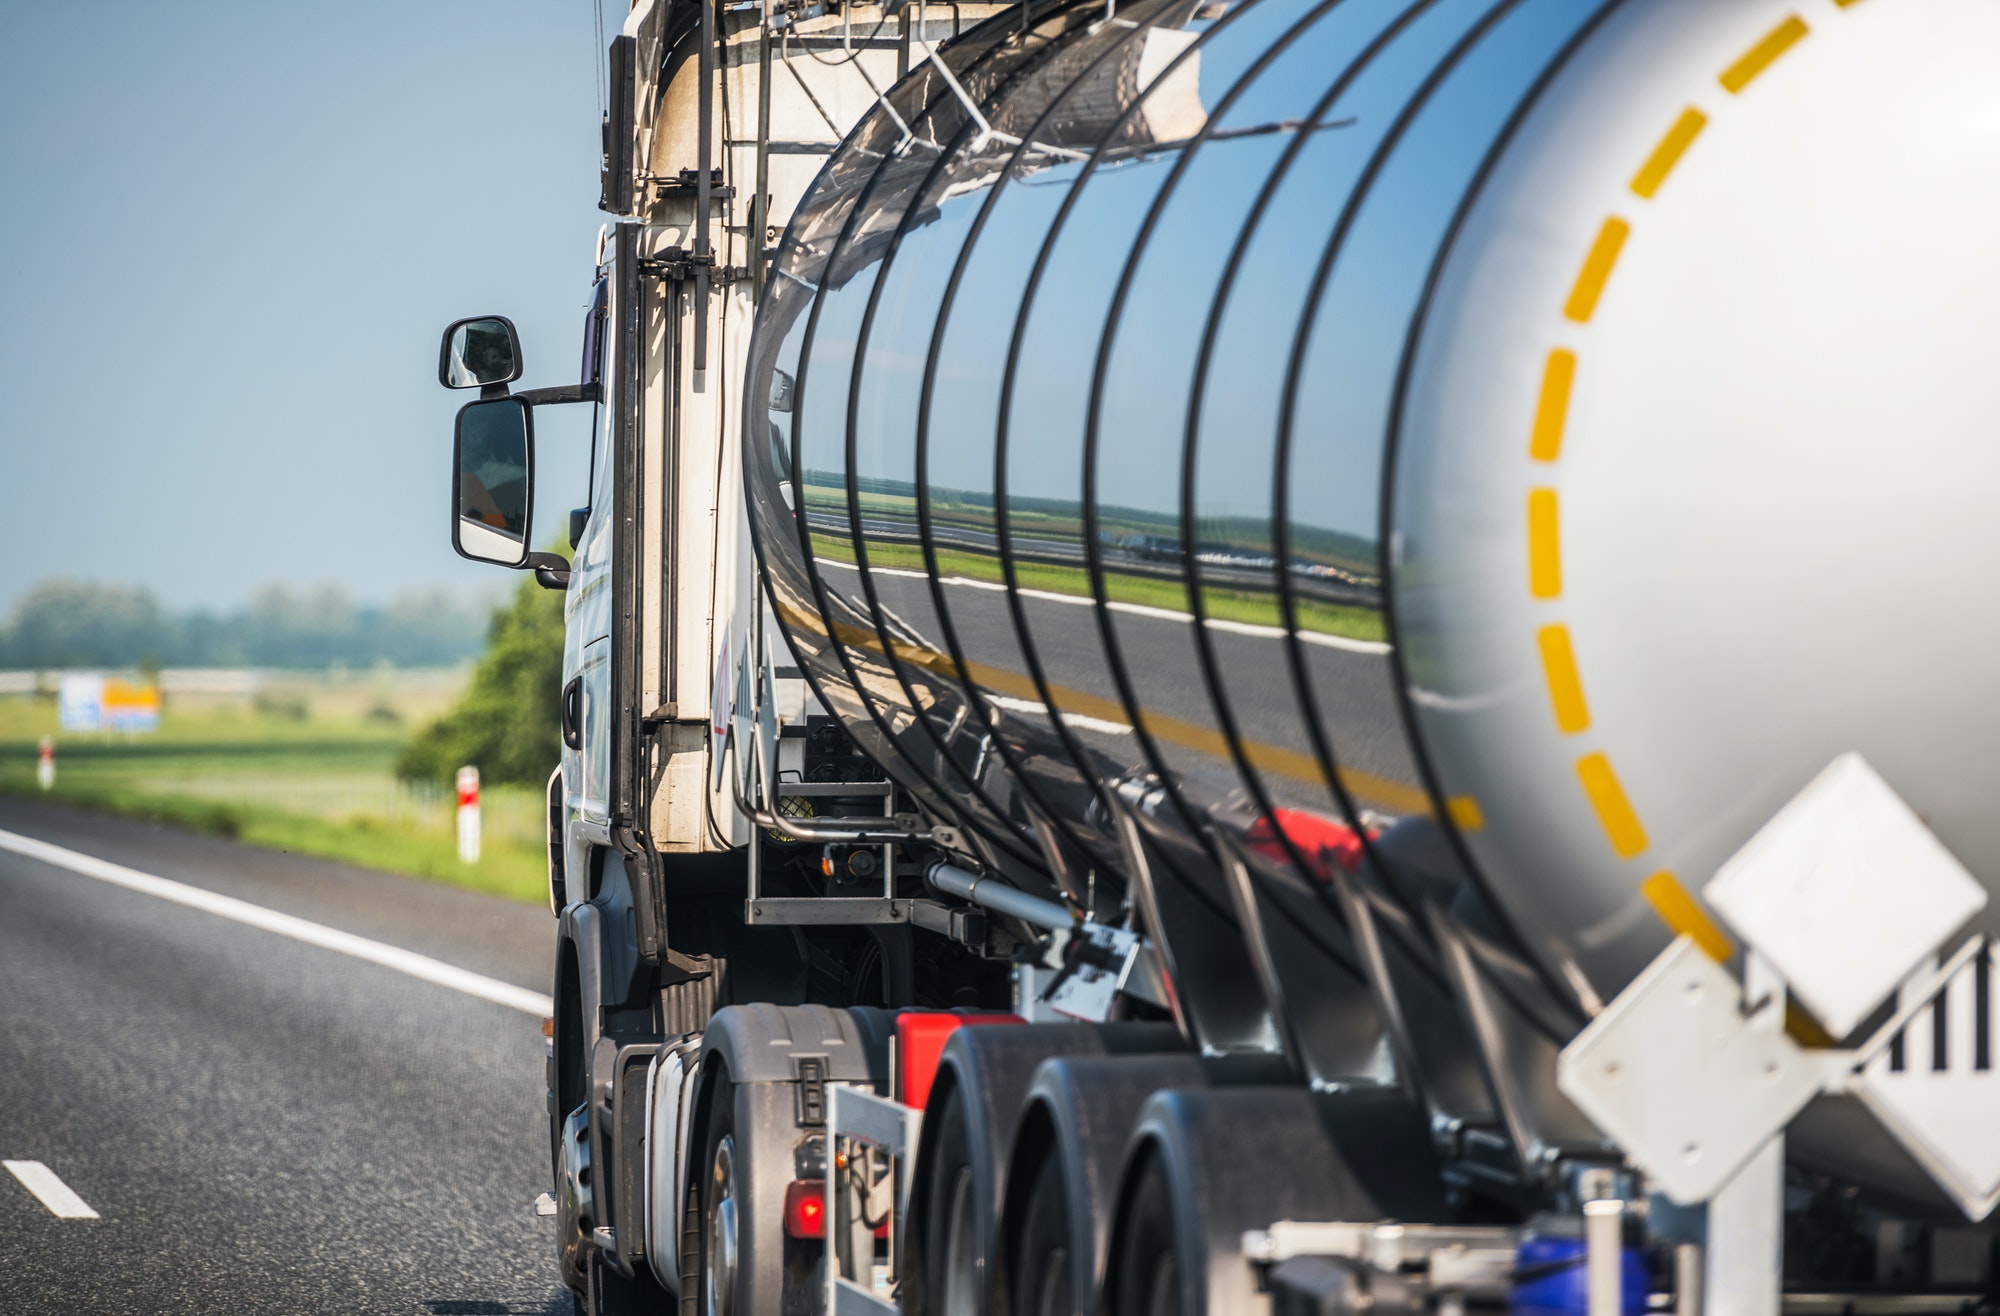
(1522, 439)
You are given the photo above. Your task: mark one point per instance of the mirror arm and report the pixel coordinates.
(545, 397)
(551, 571)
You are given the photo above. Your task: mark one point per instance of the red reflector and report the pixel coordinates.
(920, 1039)
(1323, 843)
(805, 1208)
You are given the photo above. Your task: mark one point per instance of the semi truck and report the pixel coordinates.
(1293, 656)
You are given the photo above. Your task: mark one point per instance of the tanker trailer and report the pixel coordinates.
(1407, 569)
(1222, 447)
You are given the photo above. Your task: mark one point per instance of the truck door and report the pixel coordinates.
(587, 646)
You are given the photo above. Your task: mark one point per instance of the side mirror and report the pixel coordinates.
(494, 453)
(480, 352)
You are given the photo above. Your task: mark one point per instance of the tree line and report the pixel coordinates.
(78, 623)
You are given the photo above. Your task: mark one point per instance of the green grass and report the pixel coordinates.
(312, 777)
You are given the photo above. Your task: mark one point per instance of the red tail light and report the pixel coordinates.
(805, 1208)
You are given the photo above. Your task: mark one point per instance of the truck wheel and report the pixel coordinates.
(1063, 1174)
(1043, 1270)
(951, 1243)
(1145, 1278)
(1194, 1183)
(983, 1077)
(716, 1278)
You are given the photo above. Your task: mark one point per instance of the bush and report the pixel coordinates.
(508, 723)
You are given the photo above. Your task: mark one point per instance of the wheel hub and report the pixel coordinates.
(721, 1294)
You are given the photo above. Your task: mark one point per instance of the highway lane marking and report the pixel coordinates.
(1374, 648)
(1080, 721)
(285, 925)
(59, 1197)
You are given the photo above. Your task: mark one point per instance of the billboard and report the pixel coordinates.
(88, 701)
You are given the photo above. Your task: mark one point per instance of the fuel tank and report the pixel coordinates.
(1510, 441)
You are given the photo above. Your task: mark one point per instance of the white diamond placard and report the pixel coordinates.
(1686, 1084)
(1845, 891)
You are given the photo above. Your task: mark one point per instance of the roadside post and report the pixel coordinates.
(468, 815)
(45, 768)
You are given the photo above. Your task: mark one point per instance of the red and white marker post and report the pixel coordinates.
(45, 766)
(468, 815)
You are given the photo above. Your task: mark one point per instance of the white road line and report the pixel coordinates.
(1325, 641)
(270, 920)
(1078, 720)
(39, 1179)
(1375, 648)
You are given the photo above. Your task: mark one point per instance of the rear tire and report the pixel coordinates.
(949, 1260)
(1145, 1278)
(1043, 1269)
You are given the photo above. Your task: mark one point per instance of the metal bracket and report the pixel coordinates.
(827, 911)
(680, 264)
(682, 186)
(860, 1128)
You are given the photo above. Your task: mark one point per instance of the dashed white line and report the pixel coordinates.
(270, 920)
(1325, 641)
(1346, 644)
(1080, 721)
(59, 1197)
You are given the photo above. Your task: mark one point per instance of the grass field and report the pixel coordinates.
(304, 767)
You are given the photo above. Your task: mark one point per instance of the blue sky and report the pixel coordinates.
(229, 235)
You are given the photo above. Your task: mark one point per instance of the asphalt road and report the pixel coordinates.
(263, 1125)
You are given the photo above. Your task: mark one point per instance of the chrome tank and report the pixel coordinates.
(1524, 438)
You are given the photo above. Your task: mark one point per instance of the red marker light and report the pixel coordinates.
(805, 1208)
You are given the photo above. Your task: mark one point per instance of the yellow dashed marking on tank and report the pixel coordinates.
(1544, 545)
(1565, 685)
(1590, 280)
(1762, 55)
(1600, 783)
(1680, 911)
(1668, 153)
(1465, 812)
(1614, 811)
(1553, 410)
